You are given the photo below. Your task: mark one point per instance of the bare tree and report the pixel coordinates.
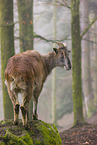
(25, 11)
(76, 63)
(7, 49)
(86, 65)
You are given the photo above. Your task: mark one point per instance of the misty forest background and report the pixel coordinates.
(68, 97)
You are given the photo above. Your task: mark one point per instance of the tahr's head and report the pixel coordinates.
(62, 56)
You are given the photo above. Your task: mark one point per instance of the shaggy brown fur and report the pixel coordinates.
(26, 72)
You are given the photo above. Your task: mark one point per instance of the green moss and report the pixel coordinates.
(2, 122)
(8, 122)
(39, 133)
(37, 142)
(1, 143)
(50, 135)
(12, 139)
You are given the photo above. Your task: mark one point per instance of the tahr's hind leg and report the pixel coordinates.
(16, 114)
(35, 116)
(14, 99)
(24, 107)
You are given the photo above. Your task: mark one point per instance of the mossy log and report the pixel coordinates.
(38, 133)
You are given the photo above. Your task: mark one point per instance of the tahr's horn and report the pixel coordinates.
(61, 44)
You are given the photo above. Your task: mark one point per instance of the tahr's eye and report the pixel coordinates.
(62, 54)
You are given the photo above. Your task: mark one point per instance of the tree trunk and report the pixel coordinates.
(76, 63)
(25, 12)
(54, 120)
(7, 49)
(95, 64)
(87, 86)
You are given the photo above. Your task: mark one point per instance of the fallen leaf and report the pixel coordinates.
(86, 143)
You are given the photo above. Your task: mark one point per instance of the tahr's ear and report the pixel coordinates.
(55, 50)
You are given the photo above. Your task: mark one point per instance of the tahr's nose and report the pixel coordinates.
(68, 66)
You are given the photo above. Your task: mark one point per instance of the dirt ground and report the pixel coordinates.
(82, 134)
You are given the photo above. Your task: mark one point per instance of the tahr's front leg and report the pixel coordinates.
(35, 116)
(24, 116)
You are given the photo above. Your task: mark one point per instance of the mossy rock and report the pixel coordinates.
(38, 133)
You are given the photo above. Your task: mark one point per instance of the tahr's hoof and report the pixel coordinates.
(16, 123)
(24, 111)
(35, 117)
(17, 108)
(27, 126)
(22, 108)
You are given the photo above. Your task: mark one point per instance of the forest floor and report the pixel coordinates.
(85, 134)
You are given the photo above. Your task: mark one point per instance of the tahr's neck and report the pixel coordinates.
(49, 62)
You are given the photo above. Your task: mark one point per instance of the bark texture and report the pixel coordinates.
(25, 10)
(86, 65)
(7, 49)
(76, 63)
